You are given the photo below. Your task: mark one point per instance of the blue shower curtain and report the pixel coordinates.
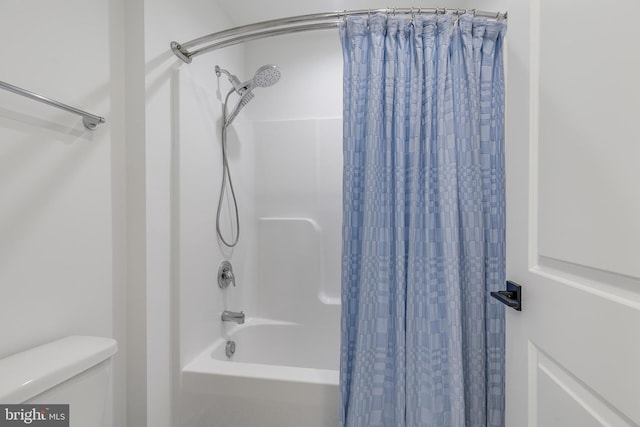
(424, 222)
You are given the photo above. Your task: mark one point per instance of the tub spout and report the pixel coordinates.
(233, 316)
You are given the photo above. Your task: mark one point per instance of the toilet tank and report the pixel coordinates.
(75, 370)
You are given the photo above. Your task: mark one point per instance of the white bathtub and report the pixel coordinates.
(278, 377)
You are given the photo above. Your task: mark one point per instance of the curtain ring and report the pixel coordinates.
(342, 14)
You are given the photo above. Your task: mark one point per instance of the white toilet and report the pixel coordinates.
(75, 370)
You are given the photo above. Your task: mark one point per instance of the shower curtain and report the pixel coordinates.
(424, 222)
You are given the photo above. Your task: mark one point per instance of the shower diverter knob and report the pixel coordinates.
(225, 275)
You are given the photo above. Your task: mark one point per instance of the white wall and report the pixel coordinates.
(56, 176)
(248, 11)
(165, 21)
(61, 186)
(298, 149)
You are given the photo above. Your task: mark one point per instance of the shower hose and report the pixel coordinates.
(226, 176)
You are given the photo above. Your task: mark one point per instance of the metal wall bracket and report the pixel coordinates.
(180, 53)
(512, 297)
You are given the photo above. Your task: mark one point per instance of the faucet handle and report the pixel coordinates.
(228, 275)
(225, 275)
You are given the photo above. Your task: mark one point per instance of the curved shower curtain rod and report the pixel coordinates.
(315, 21)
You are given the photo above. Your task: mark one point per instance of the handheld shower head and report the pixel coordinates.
(265, 76)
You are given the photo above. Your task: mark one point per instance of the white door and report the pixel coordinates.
(573, 213)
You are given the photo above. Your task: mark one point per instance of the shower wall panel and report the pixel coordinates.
(298, 177)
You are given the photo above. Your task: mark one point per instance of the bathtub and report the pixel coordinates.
(278, 377)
